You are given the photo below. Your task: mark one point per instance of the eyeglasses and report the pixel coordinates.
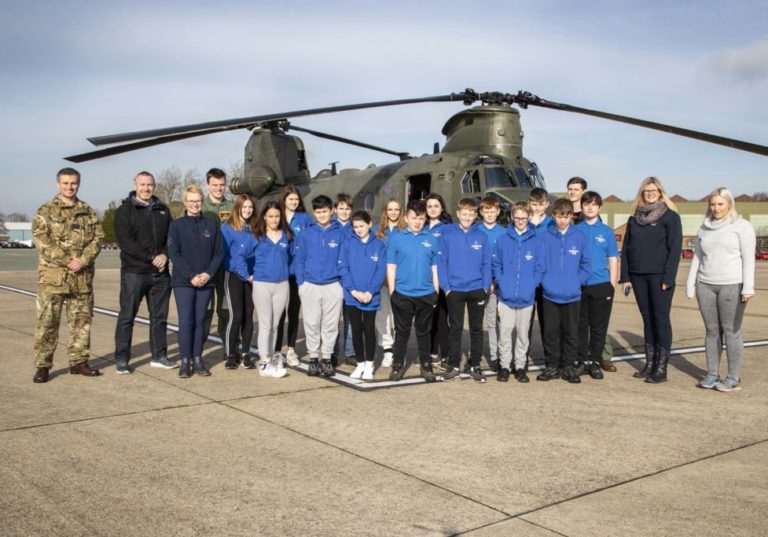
(194, 202)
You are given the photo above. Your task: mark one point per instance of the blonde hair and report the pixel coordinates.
(639, 200)
(384, 221)
(728, 197)
(192, 189)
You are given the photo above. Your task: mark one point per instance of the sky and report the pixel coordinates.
(76, 69)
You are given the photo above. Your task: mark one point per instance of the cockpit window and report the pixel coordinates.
(498, 177)
(470, 183)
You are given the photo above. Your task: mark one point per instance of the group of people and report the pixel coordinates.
(416, 270)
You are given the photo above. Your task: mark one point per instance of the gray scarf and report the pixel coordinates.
(649, 214)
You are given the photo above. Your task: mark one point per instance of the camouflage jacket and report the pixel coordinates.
(61, 233)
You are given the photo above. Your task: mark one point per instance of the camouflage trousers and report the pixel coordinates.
(79, 314)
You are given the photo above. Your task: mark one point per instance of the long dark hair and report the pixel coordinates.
(445, 216)
(288, 190)
(260, 230)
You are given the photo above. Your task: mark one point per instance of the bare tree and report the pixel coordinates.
(236, 170)
(760, 196)
(169, 185)
(193, 177)
(17, 217)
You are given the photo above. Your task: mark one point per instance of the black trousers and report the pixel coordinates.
(474, 302)
(538, 311)
(363, 324)
(594, 315)
(239, 297)
(416, 310)
(438, 334)
(561, 333)
(655, 306)
(294, 306)
(156, 289)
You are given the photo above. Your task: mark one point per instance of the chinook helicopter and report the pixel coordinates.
(482, 154)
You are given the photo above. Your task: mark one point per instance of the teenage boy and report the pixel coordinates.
(489, 211)
(217, 207)
(316, 265)
(464, 273)
(413, 285)
(342, 211)
(518, 266)
(538, 203)
(566, 269)
(576, 188)
(597, 295)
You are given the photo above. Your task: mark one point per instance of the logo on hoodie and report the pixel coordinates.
(375, 258)
(333, 243)
(476, 246)
(573, 250)
(426, 244)
(600, 238)
(528, 255)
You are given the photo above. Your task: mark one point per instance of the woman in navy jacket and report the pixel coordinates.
(650, 255)
(196, 251)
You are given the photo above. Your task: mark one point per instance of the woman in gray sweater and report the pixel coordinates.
(722, 278)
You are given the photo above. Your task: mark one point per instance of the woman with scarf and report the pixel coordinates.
(722, 278)
(649, 260)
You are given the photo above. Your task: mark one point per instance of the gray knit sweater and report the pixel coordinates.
(725, 255)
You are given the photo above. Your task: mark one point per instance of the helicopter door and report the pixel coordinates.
(419, 186)
(470, 183)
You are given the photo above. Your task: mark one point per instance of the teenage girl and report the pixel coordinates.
(391, 221)
(437, 217)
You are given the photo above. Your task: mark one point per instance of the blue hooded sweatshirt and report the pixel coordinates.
(270, 261)
(568, 264)
(542, 226)
(518, 267)
(363, 267)
(234, 243)
(464, 262)
(317, 254)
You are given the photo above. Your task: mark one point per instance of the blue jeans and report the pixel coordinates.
(156, 289)
(191, 303)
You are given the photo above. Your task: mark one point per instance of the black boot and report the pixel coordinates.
(200, 367)
(650, 361)
(659, 373)
(184, 371)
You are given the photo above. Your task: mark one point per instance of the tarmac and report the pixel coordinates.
(238, 454)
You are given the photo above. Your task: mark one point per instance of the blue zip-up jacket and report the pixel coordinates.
(234, 243)
(271, 260)
(437, 230)
(464, 262)
(518, 267)
(299, 222)
(542, 226)
(567, 265)
(317, 254)
(194, 246)
(602, 245)
(363, 267)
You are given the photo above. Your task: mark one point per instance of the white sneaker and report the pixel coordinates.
(278, 359)
(368, 371)
(266, 369)
(387, 360)
(293, 358)
(358, 372)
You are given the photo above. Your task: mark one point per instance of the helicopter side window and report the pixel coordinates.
(419, 186)
(470, 182)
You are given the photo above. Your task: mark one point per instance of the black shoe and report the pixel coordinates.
(122, 367)
(503, 375)
(451, 373)
(184, 369)
(650, 362)
(549, 373)
(230, 362)
(494, 365)
(467, 368)
(327, 368)
(659, 373)
(427, 373)
(200, 368)
(569, 374)
(397, 372)
(521, 375)
(595, 371)
(247, 362)
(314, 368)
(580, 369)
(334, 360)
(350, 360)
(476, 373)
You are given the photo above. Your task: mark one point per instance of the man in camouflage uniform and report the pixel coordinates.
(68, 237)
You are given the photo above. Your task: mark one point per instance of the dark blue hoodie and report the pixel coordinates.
(317, 254)
(567, 266)
(464, 263)
(363, 268)
(518, 266)
(194, 246)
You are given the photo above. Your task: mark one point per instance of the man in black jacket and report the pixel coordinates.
(141, 227)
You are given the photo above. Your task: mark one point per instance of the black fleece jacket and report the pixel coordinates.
(142, 233)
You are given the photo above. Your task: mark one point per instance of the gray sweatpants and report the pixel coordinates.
(492, 322)
(723, 311)
(321, 305)
(269, 300)
(519, 321)
(385, 323)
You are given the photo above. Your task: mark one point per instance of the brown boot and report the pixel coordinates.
(84, 369)
(41, 375)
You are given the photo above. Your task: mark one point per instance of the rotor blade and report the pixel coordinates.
(525, 99)
(214, 126)
(335, 138)
(116, 150)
